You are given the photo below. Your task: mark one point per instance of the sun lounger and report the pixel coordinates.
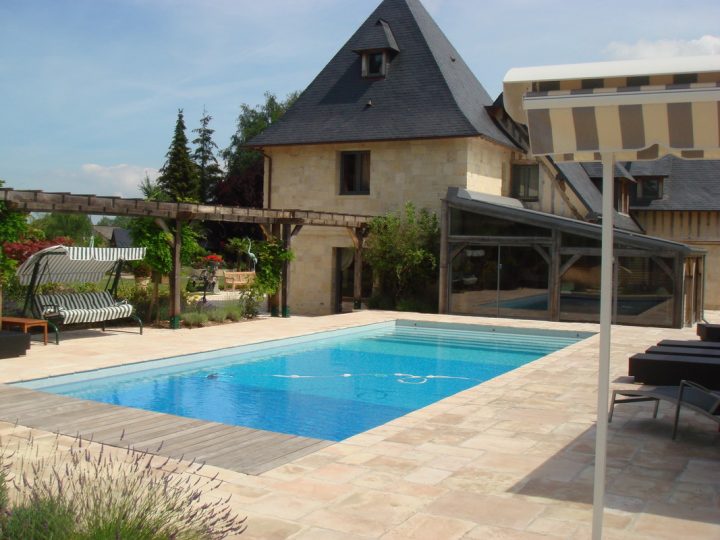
(695, 344)
(708, 332)
(688, 394)
(684, 351)
(669, 370)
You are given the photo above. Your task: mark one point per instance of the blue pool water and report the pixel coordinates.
(328, 386)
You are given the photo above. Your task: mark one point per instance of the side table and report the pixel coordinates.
(24, 325)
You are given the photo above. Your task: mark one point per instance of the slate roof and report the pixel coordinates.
(480, 204)
(429, 91)
(580, 182)
(687, 184)
(379, 37)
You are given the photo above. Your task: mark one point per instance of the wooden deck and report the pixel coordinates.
(245, 450)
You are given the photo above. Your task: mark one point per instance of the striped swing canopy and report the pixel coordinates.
(637, 110)
(69, 264)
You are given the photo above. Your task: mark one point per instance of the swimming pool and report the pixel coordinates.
(329, 386)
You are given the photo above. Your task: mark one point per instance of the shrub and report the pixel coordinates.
(194, 319)
(141, 297)
(403, 250)
(268, 275)
(81, 493)
(42, 516)
(217, 314)
(235, 314)
(249, 302)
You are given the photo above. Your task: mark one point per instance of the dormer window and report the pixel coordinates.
(650, 189)
(376, 47)
(374, 64)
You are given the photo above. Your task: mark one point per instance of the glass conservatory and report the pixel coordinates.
(502, 260)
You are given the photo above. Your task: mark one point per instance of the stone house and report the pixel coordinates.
(397, 116)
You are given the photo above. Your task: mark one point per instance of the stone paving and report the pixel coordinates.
(511, 458)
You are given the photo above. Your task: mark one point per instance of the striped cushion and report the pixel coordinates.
(82, 307)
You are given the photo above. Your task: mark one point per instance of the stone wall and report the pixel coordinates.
(420, 171)
(488, 167)
(307, 177)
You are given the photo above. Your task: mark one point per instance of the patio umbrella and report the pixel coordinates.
(608, 111)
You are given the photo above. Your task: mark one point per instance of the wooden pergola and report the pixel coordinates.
(280, 224)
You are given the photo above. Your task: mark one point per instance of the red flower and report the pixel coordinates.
(213, 258)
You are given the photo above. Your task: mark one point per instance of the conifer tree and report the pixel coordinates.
(209, 171)
(179, 176)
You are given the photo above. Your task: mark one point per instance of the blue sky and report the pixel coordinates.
(89, 89)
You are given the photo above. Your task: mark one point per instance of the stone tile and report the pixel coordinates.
(389, 482)
(294, 507)
(313, 489)
(264, 528)
(427, 475)
(554, 528)
(498, 511)
(489, 532)
(315, 533)
(337, 473)
(427, 527)
(507, 444)
(670, 522)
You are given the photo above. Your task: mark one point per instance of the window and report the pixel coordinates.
(525, 182)
(650, 189)
(374, 64)
(355, 173)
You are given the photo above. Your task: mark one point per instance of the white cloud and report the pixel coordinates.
(664, 48)
(121, 180)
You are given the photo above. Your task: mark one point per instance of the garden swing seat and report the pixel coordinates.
(62, 264)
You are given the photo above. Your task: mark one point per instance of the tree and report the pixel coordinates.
(12, 226)
(178, 176)
(75, 226)
(270, 257)
(209, 171)
(116, 221)
(243, 183)
(403, 250)
(148, 233)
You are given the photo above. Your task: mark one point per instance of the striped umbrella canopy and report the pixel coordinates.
(637, 110)
(69, 264)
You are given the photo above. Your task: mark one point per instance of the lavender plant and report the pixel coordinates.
(94, 492)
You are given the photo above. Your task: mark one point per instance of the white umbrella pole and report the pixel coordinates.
(606, 291)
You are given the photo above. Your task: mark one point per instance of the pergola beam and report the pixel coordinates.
(40, 201)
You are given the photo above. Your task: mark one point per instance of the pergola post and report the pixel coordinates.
(443, 285)
(274, 299)
(358, 238)
(606, 294)
(554, 276)
(286, 237)
(175, 307)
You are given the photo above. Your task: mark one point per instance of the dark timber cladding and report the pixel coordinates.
(278, 220)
